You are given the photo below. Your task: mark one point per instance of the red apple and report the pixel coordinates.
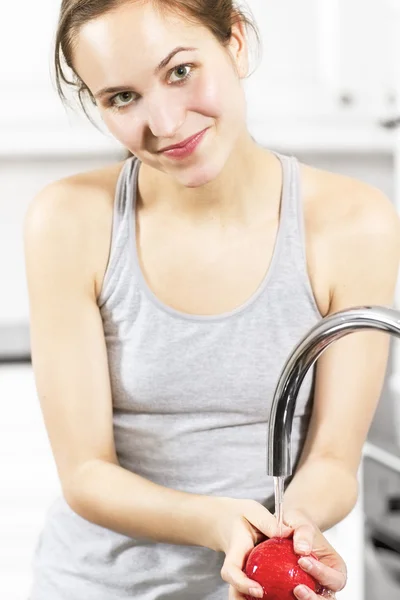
(274, 565)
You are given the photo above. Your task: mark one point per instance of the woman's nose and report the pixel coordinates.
(164, 114)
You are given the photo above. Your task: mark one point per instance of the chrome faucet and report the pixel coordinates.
(328, 330)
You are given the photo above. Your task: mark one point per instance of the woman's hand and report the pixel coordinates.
(239, 525)
(242, 524)
(330, 570)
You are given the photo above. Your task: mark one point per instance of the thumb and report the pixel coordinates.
(332, 579)
(303, 538)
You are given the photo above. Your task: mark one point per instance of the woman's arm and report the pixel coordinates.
(71, 373)
(364, 250)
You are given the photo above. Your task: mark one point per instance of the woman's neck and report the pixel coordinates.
(236, 195)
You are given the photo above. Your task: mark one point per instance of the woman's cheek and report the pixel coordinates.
(206, 98)
(213, 97)
(124, 128)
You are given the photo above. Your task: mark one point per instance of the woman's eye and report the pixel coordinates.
(180, 70)
(122, 95)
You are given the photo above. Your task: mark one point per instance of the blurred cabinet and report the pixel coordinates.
(326, 61)
(33, 119)
(367, 66)
(28, 97)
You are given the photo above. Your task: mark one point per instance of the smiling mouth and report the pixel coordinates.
(182, 144)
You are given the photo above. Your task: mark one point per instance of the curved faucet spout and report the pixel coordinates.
(327, 331)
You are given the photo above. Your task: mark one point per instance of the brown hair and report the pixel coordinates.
(217, 15)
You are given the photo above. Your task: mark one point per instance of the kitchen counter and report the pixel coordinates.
(14, 343)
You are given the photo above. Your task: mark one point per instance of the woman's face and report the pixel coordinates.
(149, 109)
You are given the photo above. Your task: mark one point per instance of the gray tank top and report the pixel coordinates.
(191, 398)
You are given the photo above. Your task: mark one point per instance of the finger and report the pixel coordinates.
(325, 593)
(302, 592)
(286, 531)
(232, 593)
(235, 595)
(333, 579)
(233, 575)
(303, 538)
(259, 516)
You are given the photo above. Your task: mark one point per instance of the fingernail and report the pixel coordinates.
(303, 547)
(257, 592)
(301, 592)
(306, 564)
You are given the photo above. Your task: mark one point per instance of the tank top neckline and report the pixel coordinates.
(287, 174)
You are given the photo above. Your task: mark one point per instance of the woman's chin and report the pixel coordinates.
(196, 176)
(200, 171)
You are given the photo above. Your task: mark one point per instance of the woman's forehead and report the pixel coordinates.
(136, 34)
(137, 23)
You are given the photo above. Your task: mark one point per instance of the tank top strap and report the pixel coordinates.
(293, 237)
(120, 249)
(125, 192)
(291, 201)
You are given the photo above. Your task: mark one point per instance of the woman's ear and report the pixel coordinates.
(238, 48)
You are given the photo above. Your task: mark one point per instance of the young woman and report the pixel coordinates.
(166, 292)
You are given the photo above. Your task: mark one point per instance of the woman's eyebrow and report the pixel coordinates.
(166, 60)
(160, 67)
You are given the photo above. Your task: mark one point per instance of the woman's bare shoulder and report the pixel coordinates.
(77, 193)
(78, 208)
(97, 186)
(351, 227)
(335, 201)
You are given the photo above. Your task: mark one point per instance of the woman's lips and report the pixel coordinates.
(187, 149)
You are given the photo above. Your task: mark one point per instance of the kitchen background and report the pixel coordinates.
(327, 89)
